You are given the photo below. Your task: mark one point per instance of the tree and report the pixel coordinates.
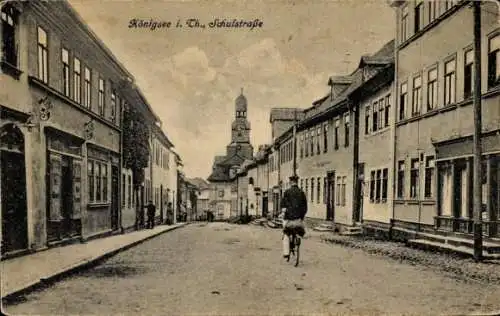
(135, 150)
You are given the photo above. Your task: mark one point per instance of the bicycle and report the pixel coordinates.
(294, 247)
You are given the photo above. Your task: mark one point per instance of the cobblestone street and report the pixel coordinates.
(229, 269)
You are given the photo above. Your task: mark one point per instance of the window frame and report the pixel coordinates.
(43, 55)
(450, 88)
(405, 21)
(10, 46)
(494, 60)
(347, 125)
(66, 73)
(414, 178)
(400, 190)
(87, 87)
(468, 72)
(336, 133)
(325, 137)
(432, 100)
(387, 110)
(102, 97)
(77, 80)
(429, 176)
(416, 104)
(403, 100)
(367, 119)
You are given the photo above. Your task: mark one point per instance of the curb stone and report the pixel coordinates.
(79, 266)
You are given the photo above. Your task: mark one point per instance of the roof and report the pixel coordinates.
(219, 159)
(343, 80)
(222, 166)
(199, 183)
(96, 39)
(379, 60)
(289, 114)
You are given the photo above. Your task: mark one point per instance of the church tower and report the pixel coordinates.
(240, 130)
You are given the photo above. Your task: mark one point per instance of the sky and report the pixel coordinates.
(192, 76)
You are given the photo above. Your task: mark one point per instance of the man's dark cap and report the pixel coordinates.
(294, 178)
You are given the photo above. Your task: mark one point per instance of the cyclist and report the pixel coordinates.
(294, 207)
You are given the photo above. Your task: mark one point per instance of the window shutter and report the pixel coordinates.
(55, 187)
(77, 189)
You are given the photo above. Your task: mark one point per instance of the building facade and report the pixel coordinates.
(435, 121)
(63, 99)
(57, 113)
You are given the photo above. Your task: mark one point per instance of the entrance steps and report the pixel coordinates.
(259, 221)
(465, 246)
(324, 227)
(352, 231)
(275, 223)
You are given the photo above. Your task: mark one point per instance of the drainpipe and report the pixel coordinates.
(120, 172)
(356, 187)
(393, 128)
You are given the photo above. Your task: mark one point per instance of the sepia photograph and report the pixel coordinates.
(250, 157)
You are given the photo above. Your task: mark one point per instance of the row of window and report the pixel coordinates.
(315, 140)
(425, 12)
(315, 195)
(241, 114)
(161, 156)
(377, 115)
(80, 80)
(414, 189)
(449, 79)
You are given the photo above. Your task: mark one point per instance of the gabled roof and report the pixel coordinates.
(233, 160)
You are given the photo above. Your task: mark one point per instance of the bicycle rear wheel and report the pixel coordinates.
(297, 250)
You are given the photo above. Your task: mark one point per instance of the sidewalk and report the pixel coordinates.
(24, 273)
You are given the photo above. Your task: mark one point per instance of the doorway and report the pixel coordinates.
(264, 205)
(13, 184)
(330, 196)
(358, 197)
(66, 197)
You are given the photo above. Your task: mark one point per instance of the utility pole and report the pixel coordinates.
(295, 142)
(478, 226)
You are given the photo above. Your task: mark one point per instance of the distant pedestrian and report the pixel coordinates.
(151, 209)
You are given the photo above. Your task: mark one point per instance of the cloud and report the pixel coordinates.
(201, 96)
